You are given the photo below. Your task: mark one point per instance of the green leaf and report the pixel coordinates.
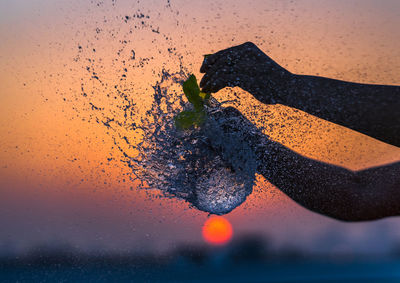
(204, 95)
(192, 118)
(187, 119)
(192, 91)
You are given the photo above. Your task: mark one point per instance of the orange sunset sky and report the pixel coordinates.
(62, 179)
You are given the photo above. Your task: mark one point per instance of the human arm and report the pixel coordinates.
(373, 110)
(324, 188)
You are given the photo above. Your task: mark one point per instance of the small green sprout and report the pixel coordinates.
(196, 117)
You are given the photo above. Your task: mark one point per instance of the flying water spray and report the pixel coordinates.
(195, 157)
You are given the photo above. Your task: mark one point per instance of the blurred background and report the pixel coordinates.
(68, 206)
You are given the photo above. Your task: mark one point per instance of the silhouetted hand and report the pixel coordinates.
(369, 109)
(245, 66)
(324, 188)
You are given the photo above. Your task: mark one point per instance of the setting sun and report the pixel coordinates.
(217, 230)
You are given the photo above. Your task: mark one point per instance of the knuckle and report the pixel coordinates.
(249, 44)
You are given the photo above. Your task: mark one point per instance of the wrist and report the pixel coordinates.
(273, 86)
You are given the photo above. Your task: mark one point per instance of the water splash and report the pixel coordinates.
(211, 169)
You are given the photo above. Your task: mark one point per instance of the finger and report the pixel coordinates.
(219, 76)
(204, 80)
(217, 69)
(213, 86)
(210, 77)
(210, 60)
